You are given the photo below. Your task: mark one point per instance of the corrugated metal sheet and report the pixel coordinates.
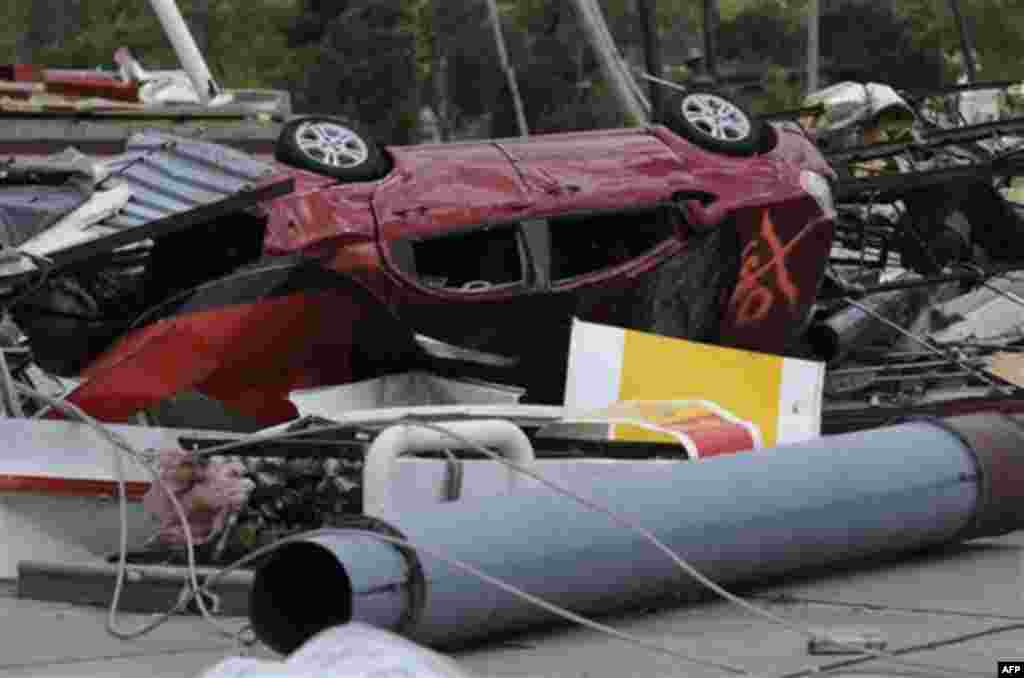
(169, 175)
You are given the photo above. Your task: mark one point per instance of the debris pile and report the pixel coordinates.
(692, 300)
(921, 290)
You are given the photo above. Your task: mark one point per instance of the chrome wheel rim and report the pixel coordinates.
(331, 144)
(715, 117)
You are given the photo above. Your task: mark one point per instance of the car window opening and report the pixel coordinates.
(469, 261)
(582, 244)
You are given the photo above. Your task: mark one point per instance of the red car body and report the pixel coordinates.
(352, 271)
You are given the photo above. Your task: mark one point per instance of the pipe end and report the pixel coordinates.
(997, 443)
(823, 342)
(289, 602)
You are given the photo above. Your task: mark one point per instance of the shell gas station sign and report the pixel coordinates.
(625, 385)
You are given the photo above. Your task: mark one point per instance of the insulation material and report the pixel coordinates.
(207, 492)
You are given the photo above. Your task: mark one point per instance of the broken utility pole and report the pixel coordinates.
(618, 78)
(966, 46)
(813, 45)
(506, 67)
(439, 72)
(652, 51)
(710, 38)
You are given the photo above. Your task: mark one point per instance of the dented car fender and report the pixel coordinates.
(248, 339)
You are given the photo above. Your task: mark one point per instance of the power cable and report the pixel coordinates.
(194, 590)
(683, 564)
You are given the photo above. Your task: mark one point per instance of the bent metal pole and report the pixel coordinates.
(735, 518)
(185, 47)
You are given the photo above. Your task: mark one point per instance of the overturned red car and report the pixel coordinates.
(346, 261)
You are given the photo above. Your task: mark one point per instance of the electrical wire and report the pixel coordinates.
(1006, 294)
(980, 373)
(683, 564)
(788, 599)
(867, 655)
(194, 590)
(920, 647)
(198, 592)
(456, 562)
(119, 445)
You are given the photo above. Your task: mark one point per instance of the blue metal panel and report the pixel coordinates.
(170, 175)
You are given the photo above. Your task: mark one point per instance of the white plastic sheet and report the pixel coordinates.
(353, 650)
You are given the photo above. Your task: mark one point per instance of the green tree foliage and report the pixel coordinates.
(558, 77)
(867, 40)
(862, 40)
(246, 47)
(997, 28)
(765, 32)
(13, 22)
(363, 62)
(375, 59)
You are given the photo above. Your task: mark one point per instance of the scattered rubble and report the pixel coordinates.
(670, 293)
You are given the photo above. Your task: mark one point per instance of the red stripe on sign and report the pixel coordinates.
(71, 487)
(726, 439)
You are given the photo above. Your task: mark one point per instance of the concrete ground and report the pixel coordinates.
(967, 589)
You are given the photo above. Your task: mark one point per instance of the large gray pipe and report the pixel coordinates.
(737, 517)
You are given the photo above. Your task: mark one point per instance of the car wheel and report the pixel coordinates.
(332, 146)
(714, 122)
(684, 297)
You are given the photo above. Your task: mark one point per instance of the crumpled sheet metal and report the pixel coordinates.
(986, 314)
(25, 211)
(208, 493)
(169, 175)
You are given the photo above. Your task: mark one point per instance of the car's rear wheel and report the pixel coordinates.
(332, 146)
(714, 122)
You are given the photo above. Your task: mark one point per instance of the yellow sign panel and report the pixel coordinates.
(661, 368)
(780, 396)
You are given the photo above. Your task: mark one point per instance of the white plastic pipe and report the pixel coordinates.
(504, 437)
(185, 47)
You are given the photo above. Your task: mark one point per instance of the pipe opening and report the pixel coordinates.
(289, 602)
(823, 341)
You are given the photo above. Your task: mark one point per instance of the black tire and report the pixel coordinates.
(684, 297)
(714, 122)
(332, 146)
